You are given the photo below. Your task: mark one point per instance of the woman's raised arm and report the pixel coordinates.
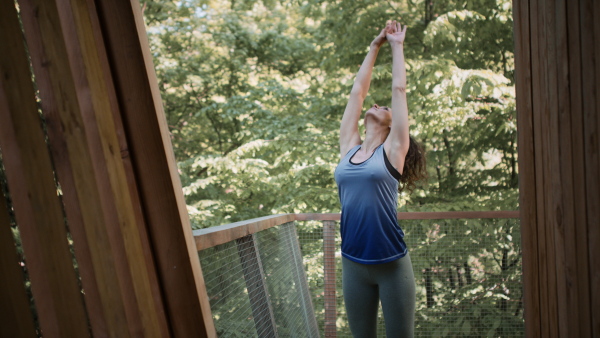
(349, 135)
(397, 143)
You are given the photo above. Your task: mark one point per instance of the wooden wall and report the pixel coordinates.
(557, 50)
(105, 148)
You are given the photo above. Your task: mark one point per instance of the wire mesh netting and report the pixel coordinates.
(257, 286)
(468, 276)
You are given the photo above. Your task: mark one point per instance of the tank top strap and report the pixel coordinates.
(351, 151)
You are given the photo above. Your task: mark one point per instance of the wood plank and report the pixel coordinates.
(527, 179)
(262, 312)
(95, 96)
(70, 201)
(578, 157)
(569, 308)
(591, 152)
(17, 320)
(329, 271)
(80, 193)
(540, 137)
(555, 207)
(207, 238)
(38, 211)
(72, 89)
(593, 229)
(162, 200)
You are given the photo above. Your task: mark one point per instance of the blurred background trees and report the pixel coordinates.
(254, 92)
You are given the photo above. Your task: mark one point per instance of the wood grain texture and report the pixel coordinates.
(95, 97)
(38, 211)
(17, 320)
(75, 102)
(578, 156)
(554, 180)
(527, 179)
(149, 146)
(207, 238)
(589, 63)
(559, 273)
(565, 231)
(593, 228)
(540, 137)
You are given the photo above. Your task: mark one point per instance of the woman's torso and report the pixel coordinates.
(368, 192)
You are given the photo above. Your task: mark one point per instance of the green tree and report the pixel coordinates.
(254, 92)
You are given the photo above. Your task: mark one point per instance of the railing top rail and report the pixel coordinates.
(207, 238)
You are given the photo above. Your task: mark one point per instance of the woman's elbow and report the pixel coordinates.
(399, 87)
(358, 92)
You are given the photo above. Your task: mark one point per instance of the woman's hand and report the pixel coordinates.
(380, 39)
(395, 34)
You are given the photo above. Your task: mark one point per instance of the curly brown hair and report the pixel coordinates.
(415, 167)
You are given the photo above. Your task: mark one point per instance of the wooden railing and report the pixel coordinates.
(210, 237)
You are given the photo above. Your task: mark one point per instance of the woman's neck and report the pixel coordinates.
(374, 137)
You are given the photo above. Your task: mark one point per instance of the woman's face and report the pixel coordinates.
(382, 114)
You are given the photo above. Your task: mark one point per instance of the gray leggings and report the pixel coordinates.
(393, 283)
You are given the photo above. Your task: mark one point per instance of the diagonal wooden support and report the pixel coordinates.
(14, 305)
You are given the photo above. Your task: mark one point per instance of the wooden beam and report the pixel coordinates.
(149, 146)
(553, 176)
(566, 246)
(76, 99)
(29, 171)
(15, 312)
(527, 178)
(578, 228)
(540, 134)
(559, 174)
(207, 238)
(590, 45)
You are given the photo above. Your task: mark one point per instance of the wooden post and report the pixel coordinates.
(329, 249)
(257, 289)
(558, 103)
(155, 171)
(302, 282)
(14, 306)
(30, 177)
(77, 99)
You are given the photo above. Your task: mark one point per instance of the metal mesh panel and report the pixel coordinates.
(468, 276)
(286, 281)
(257, 286)
(226, 288)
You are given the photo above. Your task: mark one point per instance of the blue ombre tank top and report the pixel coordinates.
(368, 193)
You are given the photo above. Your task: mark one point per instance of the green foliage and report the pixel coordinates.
(254, 92)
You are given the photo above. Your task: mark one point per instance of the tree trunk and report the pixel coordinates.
(429, 288)
(468, 276)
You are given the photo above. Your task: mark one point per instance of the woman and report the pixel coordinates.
(375, 261)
